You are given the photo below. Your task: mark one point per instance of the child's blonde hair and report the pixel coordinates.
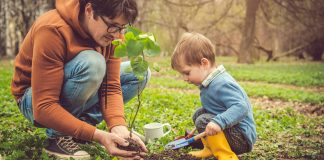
(191, 48)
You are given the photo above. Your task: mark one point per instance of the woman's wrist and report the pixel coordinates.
(97, 136)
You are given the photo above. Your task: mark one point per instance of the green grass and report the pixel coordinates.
(287, 134)
(18, 138)
(287, 94)
(282, 133)
(253, 90)
(300, 74)
(169, 82)
(294, 73)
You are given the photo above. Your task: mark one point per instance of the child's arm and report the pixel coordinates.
(236, 104)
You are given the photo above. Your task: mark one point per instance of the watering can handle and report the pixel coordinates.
(169, 128)
(139, 135)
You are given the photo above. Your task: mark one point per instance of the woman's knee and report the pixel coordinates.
(147, 77)
(94, 64)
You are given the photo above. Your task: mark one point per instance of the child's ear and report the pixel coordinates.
(204, 62)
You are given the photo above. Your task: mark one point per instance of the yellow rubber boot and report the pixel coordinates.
(204, 153)
(220, 148)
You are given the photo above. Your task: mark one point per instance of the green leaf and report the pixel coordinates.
(152, 48)
(147, 35)
(156, 67)
(134, 48)
(116, 42)
(129, 36)
(120, 51)
(133, 30)
(128, 69)
(139, 66)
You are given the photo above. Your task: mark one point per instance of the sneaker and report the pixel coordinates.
(80, 141)
(65, 147)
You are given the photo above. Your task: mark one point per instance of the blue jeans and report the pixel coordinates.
(79, 95)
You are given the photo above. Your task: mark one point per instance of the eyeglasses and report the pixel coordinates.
(111, 28)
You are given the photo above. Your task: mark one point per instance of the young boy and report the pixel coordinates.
(226, 113)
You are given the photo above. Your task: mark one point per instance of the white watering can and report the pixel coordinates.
(153, 131)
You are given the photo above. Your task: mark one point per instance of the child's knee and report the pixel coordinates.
(198, 112)
(202, 120)
(201, 123)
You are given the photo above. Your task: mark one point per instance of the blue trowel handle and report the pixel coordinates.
(196, 137)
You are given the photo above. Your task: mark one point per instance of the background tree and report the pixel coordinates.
(249, 30)
(2, 29)
(245, 54)
(16, 18)
(296, 28)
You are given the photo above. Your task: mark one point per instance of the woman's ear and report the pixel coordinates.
(88, 11)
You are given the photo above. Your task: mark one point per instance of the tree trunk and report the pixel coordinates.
(316, 49)
(248, 33)
(10, 21)
(18, 16)
(2, 28)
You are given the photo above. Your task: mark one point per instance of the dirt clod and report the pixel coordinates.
(133, 146)
(170, 155)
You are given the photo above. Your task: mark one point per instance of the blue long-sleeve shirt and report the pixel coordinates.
(221, 95)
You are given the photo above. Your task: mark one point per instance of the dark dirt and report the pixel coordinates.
(133, 146)
(304, 108)
(164, 155)
(170, 155)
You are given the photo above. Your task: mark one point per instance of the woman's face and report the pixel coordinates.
(103, 29)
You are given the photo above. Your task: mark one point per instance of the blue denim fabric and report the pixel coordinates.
(83, 76)
(226, 99)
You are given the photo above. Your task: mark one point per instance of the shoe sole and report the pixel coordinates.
(64, 156)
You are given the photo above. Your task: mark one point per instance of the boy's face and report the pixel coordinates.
(194, 74)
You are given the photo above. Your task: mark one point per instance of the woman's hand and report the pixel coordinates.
(110, 142)
(123, 132)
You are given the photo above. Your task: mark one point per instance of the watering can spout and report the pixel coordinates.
(139, 135)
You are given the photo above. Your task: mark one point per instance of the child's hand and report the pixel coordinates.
(212, 128)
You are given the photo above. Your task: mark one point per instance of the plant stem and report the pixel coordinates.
(137, 109)
(139, 93)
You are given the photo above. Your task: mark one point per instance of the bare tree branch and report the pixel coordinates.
(293, 12)
(159, 23)
(290, 52)
(201, 3)
(228, 46)
(267, 51)
(223, 15)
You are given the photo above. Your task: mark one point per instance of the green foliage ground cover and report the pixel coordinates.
(253, 89)
(300, 74)
(287, 94)
(282, 133)
(294, 73)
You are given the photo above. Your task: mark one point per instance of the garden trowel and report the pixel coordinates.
(187, 134)
(183, 141)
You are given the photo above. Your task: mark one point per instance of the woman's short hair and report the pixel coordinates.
(112, 8)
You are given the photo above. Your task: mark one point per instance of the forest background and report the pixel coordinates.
(273, 48)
